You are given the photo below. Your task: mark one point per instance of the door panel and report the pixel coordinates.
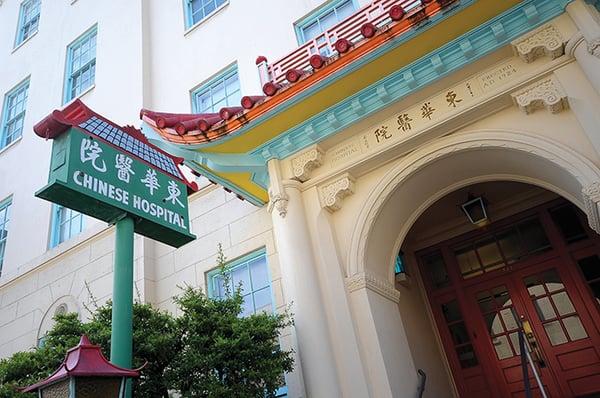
(498, 305)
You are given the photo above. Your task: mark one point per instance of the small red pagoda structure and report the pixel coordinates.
(85, 373)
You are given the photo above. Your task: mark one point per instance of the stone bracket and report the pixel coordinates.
(591, 200)
(278, 198)
(593, 47)
(544, 41)
(373, 283)
(545, 93)
(332, 193)
(306, 162)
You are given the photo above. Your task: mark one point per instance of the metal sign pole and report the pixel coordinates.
(121, 345)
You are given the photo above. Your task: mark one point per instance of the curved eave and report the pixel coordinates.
(352, 73)
(277, 127)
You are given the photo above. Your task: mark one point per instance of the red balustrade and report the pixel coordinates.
(376, 14)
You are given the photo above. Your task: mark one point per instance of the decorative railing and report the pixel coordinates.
(364, 23)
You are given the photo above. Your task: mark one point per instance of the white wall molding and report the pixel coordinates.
(371, 282)
(307, 161)
(544, 41)
(333, 192)
(545, 93)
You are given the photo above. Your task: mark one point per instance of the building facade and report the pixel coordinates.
(417, 180)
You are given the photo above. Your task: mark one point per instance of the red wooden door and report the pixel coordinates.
(495, 307)
(563, 325)
(569, 343)
(542, 266)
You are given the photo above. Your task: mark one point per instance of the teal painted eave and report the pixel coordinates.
(457, 54)
(450, 58)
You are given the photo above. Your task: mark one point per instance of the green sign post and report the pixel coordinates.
(112, 173)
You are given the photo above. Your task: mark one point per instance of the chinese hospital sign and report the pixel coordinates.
(93, 177)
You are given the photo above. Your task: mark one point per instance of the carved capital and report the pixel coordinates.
(545, 93)
(304, 164)
(593, 47)
(545, 41)
(371, 282)
(278, 201)
(591, 200)
(334, 192)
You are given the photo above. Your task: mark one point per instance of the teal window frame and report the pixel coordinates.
(202, 12)
(5, 206)
(56, 237)
(29, 20)
(76, 67)
(245, 261)
(317, 15)
(399, 267)
(13, 113)
(209, 87)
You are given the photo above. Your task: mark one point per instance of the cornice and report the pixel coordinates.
(373, 283)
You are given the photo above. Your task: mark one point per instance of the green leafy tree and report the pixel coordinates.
(208, 351)
(225, 355)
(155, 341)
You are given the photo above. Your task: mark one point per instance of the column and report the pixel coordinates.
(586, 46)
(301, 286)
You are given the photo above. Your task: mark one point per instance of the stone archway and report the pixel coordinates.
(412, 185)
(426, 175)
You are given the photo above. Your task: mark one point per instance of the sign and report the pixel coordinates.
(93, 177)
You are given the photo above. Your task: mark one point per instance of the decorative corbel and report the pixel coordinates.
(278, 198)
(593, 47)
(304, 164)
(544, 41)
(373, 283)
(333, 192)
(591, 200)
(545, 93)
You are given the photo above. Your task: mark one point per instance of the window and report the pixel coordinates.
(15, 102)
(197, 10)
(66, 223)
(4, 217)
(252, 274)
(220, 91)
(324, 18)
(29, 18)
(81, 65)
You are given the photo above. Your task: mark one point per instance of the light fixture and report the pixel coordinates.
(474, 209)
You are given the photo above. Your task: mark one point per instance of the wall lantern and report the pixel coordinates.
(474, 209)
(84, 373)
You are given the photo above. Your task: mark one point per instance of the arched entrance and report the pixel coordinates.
(536, 262)
(399, 197)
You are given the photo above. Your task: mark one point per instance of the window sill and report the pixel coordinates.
(81, 94)
(21, 44)
(206, 18)
(12, 144)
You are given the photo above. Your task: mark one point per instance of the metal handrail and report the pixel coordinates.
(421, 385)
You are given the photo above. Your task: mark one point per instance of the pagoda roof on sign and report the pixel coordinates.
(124, 138)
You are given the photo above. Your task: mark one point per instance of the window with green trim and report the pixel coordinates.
(29, 19)
(4, 218)
(220, 91)
(324, 18)
(197, 10)
(251, 273)
(81, 65)
(13, 113)
(66, 223)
